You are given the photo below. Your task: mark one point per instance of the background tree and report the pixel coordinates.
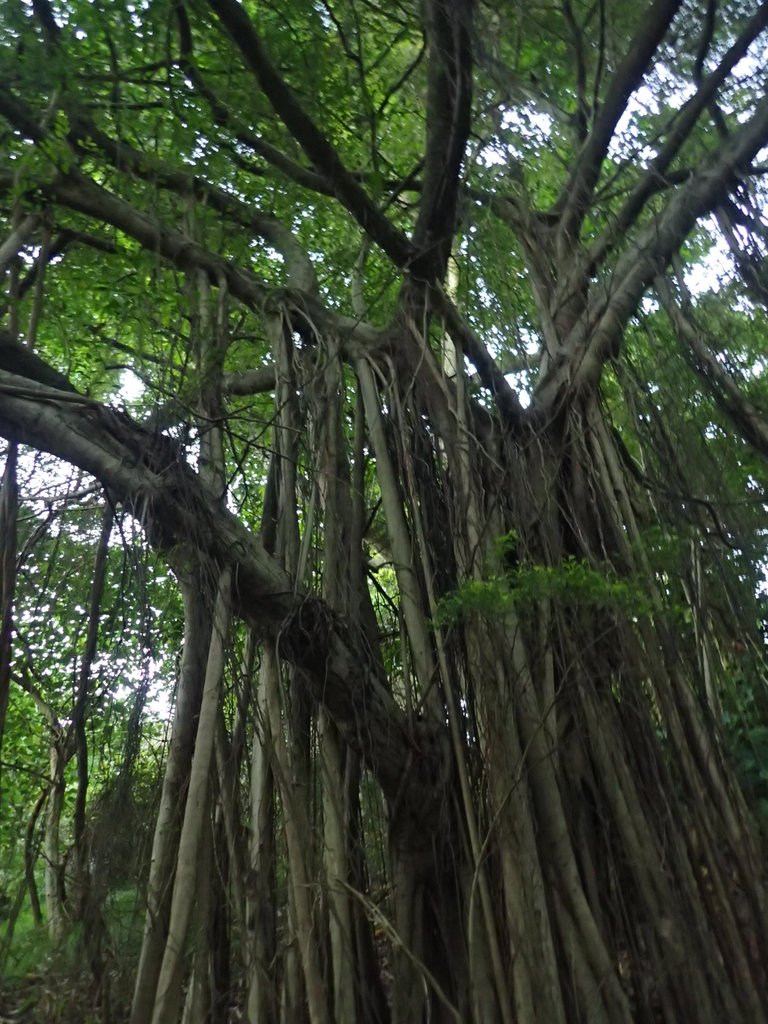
(387, 326)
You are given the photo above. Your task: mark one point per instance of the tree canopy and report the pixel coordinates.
(384, 398)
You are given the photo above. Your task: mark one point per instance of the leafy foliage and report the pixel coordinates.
(572, 582)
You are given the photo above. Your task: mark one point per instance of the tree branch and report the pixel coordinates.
(77, 192)
(577, 44)
(146, 473)
(598, 332)
(751, 424)
(473, 348)
(750, 265)
(61, 242)
(449, 108)
(251, 382)
(575, 197)
(685, 121)
(301, 274)
(148, 167)
(324, 157)
(224, 118)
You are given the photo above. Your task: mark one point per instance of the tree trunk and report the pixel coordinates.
(55, 896)
(85, 903)
(169, 983)
(262, 1005)
(197, 632)
(9, 502)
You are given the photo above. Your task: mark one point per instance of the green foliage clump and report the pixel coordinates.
(573, 581)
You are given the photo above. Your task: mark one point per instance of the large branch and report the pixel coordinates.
(317, 147)
(449, 111)
(598, 333)
(301, 274)
(61, 242)
(182, 519)
(18, 238)
(685, 120)
(224, 117)
(626, 79)
(78, 192)
(23, 361)
(250, 382)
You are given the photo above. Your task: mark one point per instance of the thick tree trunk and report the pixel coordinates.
(544, 672)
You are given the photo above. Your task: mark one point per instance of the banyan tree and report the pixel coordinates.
(421, 343)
